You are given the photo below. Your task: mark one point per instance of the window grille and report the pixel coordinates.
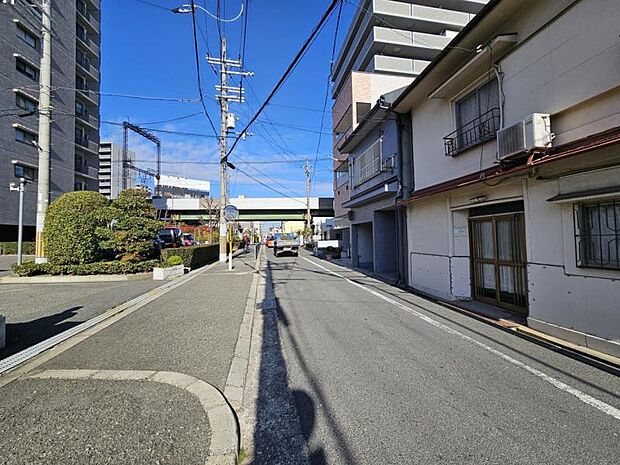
(597, 234)
(368, 164)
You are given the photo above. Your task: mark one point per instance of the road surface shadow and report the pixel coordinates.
(286, 418)
(20, 336)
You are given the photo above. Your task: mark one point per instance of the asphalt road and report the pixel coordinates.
(35, 312)
(379, 376)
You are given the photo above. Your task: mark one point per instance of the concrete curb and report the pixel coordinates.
(237, 380)
(224, 443)
(65, 279)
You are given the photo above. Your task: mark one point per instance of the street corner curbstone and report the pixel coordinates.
(178, 380)
(224, 443)
(224, 431)
(208, 395)
(227, 459)
(124, 375)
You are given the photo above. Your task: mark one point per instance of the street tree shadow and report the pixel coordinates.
(20, 336)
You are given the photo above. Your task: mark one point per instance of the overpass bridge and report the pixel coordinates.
(191, 210)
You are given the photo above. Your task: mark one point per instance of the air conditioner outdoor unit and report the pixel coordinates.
(532, 133)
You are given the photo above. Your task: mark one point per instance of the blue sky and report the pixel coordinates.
(149, 51)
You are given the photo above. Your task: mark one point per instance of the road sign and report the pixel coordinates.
(231, 213)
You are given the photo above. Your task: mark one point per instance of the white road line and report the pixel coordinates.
(585, 398)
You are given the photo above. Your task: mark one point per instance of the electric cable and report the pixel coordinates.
(196, 55)
(287, 72)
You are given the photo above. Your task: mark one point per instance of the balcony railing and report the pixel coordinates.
(88, 171)
(83, 141)
(477, 131)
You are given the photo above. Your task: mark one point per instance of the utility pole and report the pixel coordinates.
(45, 118)
(225, 95)
(223, 137)
(308, 196)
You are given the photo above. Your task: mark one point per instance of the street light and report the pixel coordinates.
(184, 9)
(21, 187)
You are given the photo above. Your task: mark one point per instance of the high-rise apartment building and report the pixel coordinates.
(111, 170)
(74, 158)
(389, 43)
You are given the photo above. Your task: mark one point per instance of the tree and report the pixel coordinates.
(131, 226)
(71, 224)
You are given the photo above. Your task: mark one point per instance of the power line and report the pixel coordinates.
(288, 71)
(202, 99)
(331, 63)
(191, 115)
(198, 162)
(270, 187)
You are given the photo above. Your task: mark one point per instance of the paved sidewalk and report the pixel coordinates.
(95, 403)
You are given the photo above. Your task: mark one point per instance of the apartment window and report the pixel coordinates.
(368, 164)
(82, 59)
(81, 137)
(25, 137)
(477, 118)
(79, 186)
(81, 32)
(80, 82)
(25, 103)
(25, 172)
(80, 110)
(26, 69)
(597, 234)
(80, 5)
(28, 37)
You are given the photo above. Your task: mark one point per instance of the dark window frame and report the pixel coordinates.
(27, 69)
(28, 37)
(483, 122)
(26, 172)
(597, 234)
(29, 138)
(19, 98)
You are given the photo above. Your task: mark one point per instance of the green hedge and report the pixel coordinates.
(70, 229)
(194, 257)
(112, 267)
(10, 248)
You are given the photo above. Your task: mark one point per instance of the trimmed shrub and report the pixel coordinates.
(10, 248)
(114, 267)
(174, 260)
(194, 257)
(70, 225)
(132, 226)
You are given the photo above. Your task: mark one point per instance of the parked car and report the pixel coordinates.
(188, 239)
(171, 237)
(270, 240)
(288, 242)
(158, 243)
